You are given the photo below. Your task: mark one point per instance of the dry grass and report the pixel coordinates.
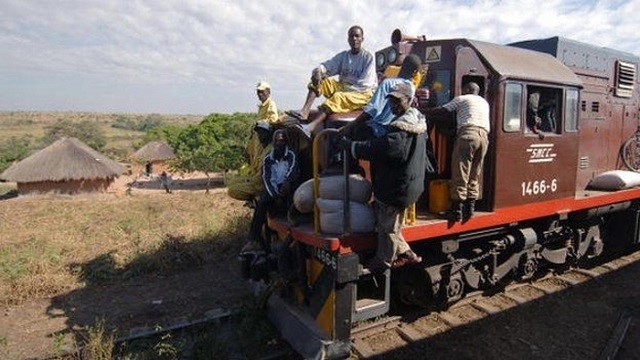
(51, 244)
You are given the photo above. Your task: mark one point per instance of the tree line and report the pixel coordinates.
(215, 144)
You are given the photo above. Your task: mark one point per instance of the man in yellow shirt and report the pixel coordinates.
(267, 109)
(248, 182)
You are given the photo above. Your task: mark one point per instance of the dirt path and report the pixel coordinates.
(44, 326)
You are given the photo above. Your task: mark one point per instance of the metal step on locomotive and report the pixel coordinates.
(537, 207)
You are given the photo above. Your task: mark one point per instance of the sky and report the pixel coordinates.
(205, 56)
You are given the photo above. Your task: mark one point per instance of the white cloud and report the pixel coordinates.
(214, 51)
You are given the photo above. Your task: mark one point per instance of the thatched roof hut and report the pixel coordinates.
(154, 155)
(66, 166)
(155, 151)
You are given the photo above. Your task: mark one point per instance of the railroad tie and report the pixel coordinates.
(545, 290)
(362, 348)
(486, 308)
(589, 273)
(411, 334)
(517, 298)
(450, 320)
(568, 280)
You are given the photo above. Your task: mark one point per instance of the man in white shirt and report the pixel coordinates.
(356, 82)
(472, 142)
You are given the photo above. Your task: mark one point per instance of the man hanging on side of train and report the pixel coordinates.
(280, 174)
(397, 169)
(377, 114)
(472, 142)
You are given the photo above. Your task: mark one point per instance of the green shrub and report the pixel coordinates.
(14, 149)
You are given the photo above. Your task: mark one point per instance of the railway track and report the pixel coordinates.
(396, 332)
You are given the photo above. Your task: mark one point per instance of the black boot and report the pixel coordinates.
(468, 209)
(456, 212)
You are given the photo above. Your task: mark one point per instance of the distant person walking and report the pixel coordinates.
(165, 181)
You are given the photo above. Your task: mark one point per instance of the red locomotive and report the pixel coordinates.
(536, 208)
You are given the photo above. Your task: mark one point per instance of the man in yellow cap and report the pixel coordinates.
(267, 109)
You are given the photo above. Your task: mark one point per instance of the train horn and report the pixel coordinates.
(397, 36)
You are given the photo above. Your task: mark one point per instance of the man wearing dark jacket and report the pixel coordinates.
(398, 162)
(279, 175)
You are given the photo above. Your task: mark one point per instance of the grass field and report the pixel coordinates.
(49, 244)
(54, 246)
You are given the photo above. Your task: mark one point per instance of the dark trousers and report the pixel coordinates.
(264, 205)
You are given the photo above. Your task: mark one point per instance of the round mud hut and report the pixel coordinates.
(68, 166)
(153, 156)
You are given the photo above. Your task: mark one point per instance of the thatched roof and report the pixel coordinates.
(155, 151)
(64, 160)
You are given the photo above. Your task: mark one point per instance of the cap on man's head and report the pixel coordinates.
(263, 85)
(402, 90)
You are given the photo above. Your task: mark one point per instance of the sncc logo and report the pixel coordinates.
(541, 153)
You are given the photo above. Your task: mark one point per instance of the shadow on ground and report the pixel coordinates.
(9, 195)
(148, 183)
(181, 279)
(575, 323)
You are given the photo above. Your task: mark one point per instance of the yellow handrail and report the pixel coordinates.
(316, 180)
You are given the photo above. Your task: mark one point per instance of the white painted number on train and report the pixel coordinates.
(530, 188)
(541, 153)
(327, 258)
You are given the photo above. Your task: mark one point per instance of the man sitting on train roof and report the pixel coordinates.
(357, 79)
(279, 176)
(472, 142)
(267, 109)
(377, 114)
(397, 169)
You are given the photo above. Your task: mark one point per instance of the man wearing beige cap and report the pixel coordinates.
(398, 161)
(267, 109)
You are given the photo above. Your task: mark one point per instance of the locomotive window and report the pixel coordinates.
(512, 107)
(439, 84)
(571, 110)
(543, 110)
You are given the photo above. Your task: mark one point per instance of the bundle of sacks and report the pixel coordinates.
(331, 203)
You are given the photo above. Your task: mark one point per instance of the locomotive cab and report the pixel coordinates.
(534, 109)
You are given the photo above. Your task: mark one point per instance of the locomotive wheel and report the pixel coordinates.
(527, 268)
(630, 153)
(455, 288)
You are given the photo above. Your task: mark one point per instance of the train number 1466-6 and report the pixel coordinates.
(536, 187)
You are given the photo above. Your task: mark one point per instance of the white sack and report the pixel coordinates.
(331, 217)
(303, 197)
(615, 180)
(332, 188)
